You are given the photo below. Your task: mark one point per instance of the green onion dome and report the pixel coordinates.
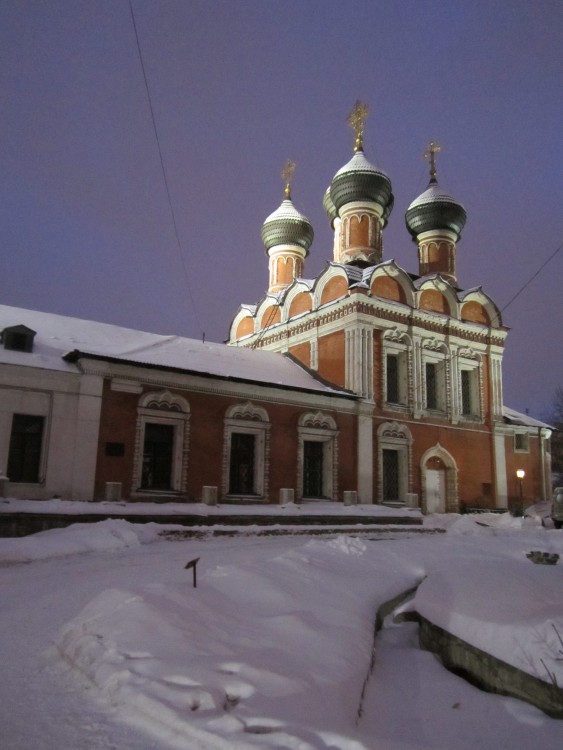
(435, 209)
(287, 226)
(359, 180)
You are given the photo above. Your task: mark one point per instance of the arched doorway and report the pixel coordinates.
(435, 485)
(439, 481)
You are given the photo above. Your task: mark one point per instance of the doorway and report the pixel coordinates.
(241, 475)
(158, 451)
(313, 454)
(435, 484)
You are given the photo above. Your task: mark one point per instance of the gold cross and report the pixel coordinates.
(430, 155)
(356, 120)
(287, 174)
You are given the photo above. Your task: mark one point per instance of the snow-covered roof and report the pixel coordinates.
(515, 417)
(59, 335)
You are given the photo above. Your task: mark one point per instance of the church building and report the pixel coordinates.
(367, 384)
(423, 355)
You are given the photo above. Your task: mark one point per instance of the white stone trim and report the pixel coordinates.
(319, 427)
(165, 408)
(397, 437)
(359, 360)
(250, 419)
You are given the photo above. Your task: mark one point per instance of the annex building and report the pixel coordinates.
(368, 379)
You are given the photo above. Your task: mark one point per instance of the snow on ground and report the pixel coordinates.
(110, 646)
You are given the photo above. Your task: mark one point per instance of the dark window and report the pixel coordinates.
(25, 448)
(312, 468)
(157, 457)
(466, 405)
(115, 449)
(393, 379)
(390, 475)
(241, 476)
(521, 442)
(431, 386)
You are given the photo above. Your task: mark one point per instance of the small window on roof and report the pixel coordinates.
(18, 338)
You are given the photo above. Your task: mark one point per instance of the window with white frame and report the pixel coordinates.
(394, 443)
(469, 392)
(246, 451)
(469, 385)
(317, 457)
(162, 442)
(435, 385)
(395, 369)
(434, 373)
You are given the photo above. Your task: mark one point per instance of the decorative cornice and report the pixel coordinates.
(374, 308)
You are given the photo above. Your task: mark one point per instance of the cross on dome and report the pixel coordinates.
(356, 119)
(430, 155)
(287, 174)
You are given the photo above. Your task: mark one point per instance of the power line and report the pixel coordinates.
(166, 185)
(537, 273)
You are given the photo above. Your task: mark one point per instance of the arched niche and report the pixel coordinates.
(333, 286)
(434, 301)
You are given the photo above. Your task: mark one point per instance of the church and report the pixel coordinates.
(423, 355)
(367, 384)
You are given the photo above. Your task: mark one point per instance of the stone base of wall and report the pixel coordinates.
(489, 673)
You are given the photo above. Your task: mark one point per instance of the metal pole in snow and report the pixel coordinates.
(192, 564)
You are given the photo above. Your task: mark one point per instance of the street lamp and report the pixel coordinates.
(520, 473)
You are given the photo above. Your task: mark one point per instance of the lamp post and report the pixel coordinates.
(520, 473)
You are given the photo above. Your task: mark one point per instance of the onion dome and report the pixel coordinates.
(287, 226)
(434, 209)
(359, 180)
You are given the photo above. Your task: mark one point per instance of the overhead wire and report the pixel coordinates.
(164, 174)
(442, 365)
(529, 281)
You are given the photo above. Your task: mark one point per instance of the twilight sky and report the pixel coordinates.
(238, 87)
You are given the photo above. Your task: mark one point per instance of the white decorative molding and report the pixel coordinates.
(434, 345)
(247, 412)
(394, 431)
(164, 400)
(317, 420)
